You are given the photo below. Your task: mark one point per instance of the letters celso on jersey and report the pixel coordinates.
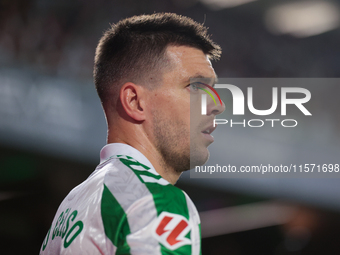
(65, 229)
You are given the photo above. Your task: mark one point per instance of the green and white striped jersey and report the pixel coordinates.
(124, 207)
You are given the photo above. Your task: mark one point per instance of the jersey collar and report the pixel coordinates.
(113, 149)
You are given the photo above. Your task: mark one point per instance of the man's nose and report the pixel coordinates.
(214, 107)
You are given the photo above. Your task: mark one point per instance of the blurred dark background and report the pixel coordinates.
(52, 127)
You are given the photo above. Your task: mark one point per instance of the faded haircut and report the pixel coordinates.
(133, 50)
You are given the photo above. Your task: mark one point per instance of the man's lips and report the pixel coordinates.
(208, 130)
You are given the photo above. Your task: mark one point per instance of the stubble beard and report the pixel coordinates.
(172, 142)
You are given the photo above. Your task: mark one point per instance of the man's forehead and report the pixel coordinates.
(191, 63)
(186, 53)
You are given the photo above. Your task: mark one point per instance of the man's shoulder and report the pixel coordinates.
(128, 179)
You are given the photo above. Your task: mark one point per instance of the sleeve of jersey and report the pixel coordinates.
(151, 219)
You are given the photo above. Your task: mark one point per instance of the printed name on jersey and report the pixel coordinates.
(61, 228)
(170, 230)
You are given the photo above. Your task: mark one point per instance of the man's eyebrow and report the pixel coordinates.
(212, 80)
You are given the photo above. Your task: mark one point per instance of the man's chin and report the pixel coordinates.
(198, 159)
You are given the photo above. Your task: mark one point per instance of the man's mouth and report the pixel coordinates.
(209, 130)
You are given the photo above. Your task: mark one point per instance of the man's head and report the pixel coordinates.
(134, 50)
(143, 68)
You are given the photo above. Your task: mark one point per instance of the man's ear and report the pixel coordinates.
(132, 98)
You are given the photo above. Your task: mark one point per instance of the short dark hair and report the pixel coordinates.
(134, 49)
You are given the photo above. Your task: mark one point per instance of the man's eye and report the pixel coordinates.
(193, 87)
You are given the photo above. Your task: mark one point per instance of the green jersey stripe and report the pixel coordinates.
(115, 222)
(199, 226)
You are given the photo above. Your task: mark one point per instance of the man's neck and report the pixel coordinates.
(149, 151)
